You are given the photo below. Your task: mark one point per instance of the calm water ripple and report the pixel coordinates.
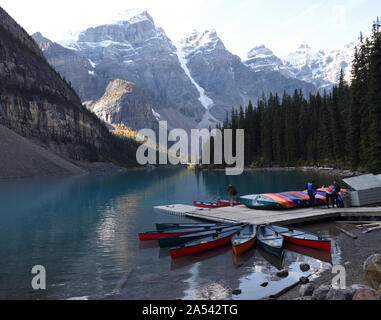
(84, 231)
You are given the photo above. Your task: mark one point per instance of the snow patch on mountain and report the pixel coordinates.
(197, 42)
(304, 56)
(261, 58)
(204, 99)
(131, 15)
(92, 63)
(316, 67)
(156, 115)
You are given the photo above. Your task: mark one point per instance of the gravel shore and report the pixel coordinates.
(353, 255)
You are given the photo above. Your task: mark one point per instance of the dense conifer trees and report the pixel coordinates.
(340, 128)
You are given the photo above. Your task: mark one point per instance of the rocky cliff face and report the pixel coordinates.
(125, 103)
(137, 51)
(192, 83)
(36, 103)
(75, 68)
(225, 79)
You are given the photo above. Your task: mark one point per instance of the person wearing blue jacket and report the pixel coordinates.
(312, 191)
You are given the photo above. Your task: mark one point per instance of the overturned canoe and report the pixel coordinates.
(270, 241)
(285, 200)
(180, 240)
(259, 201)
(244, 240)
(203, 244)
(302, 238)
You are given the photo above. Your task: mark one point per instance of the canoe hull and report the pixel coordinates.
(157, 236)
(303, 238)
(260, 202)
(180, 240)
(283, 201)
(314, 244)
(205, 205)
(226, 203)
(241, 249)
(182, 252)
(277, 251)
(175, 226)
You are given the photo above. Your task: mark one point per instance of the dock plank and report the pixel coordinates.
(258, 217)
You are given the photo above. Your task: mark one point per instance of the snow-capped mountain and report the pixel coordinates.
(263, 59)
(317, 67)
(307, 65)
(190, 84)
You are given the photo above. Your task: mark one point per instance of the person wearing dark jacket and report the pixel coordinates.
(312, 191)
(232, 193)
(335, 194)
(331, 195)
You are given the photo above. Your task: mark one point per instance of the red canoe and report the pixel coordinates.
(302, 238)
(203, 244)
(208, 205)
(226, 203)
(156, 235)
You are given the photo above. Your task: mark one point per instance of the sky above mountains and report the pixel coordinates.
(241, 24)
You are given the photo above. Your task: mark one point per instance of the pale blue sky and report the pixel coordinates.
(242, 24)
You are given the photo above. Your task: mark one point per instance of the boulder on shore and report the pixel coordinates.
(307, 290)
(372, 271)
(367, 294)
(341, 294)
(327, 292)
(282, 274)
(321, 292)
(305, 267)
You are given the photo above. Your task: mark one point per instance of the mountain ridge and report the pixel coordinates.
(38, 104)
(194, 83)
(317, 67)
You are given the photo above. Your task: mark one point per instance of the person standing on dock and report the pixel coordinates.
(335, 194)
(311, 189)
(330, 195)
(232, 193)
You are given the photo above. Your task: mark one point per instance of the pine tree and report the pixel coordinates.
(355, 114)
(374, 99)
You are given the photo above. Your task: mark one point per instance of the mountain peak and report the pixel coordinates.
(304, 45)
(260, 50)
(195, 40)
(132, 16)
(38, 37)
(261, 58)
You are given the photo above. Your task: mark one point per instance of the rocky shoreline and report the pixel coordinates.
(361, 259)
(343, 173)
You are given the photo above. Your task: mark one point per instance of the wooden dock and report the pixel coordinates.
(258, 217)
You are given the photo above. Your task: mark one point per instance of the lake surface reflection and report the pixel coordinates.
(83, 230)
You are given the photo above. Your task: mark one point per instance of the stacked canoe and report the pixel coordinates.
(284, 200)
(188, 239)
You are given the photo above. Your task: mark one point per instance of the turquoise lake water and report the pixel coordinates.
(84, 231)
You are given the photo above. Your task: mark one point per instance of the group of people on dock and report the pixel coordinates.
(332, 194)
